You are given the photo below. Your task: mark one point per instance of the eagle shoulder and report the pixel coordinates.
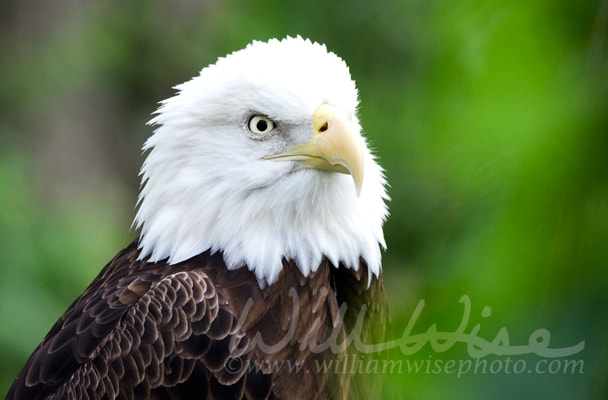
(141, 330)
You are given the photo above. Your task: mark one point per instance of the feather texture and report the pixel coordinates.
(153, 330)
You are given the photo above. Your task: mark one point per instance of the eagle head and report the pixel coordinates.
(261, 158)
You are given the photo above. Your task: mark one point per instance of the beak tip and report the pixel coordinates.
(358, 180)
(358, 190)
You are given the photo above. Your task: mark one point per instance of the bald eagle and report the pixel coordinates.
(258, 262)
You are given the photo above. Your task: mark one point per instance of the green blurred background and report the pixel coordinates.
(491, 119)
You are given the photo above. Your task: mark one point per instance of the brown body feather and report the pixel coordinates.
(195, 329)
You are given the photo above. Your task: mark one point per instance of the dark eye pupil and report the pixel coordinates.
(261, 125)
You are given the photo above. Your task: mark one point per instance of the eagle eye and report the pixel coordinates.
(260, 125)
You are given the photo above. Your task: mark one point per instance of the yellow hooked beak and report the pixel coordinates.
(334, 146)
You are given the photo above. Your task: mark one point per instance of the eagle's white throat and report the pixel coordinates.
(207, 186)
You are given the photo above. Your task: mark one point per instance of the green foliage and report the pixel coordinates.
(490, 120)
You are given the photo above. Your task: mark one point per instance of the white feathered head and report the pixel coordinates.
(261, 157)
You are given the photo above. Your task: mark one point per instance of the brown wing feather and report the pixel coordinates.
(152, 330)
(358, 292)
(140, 330)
